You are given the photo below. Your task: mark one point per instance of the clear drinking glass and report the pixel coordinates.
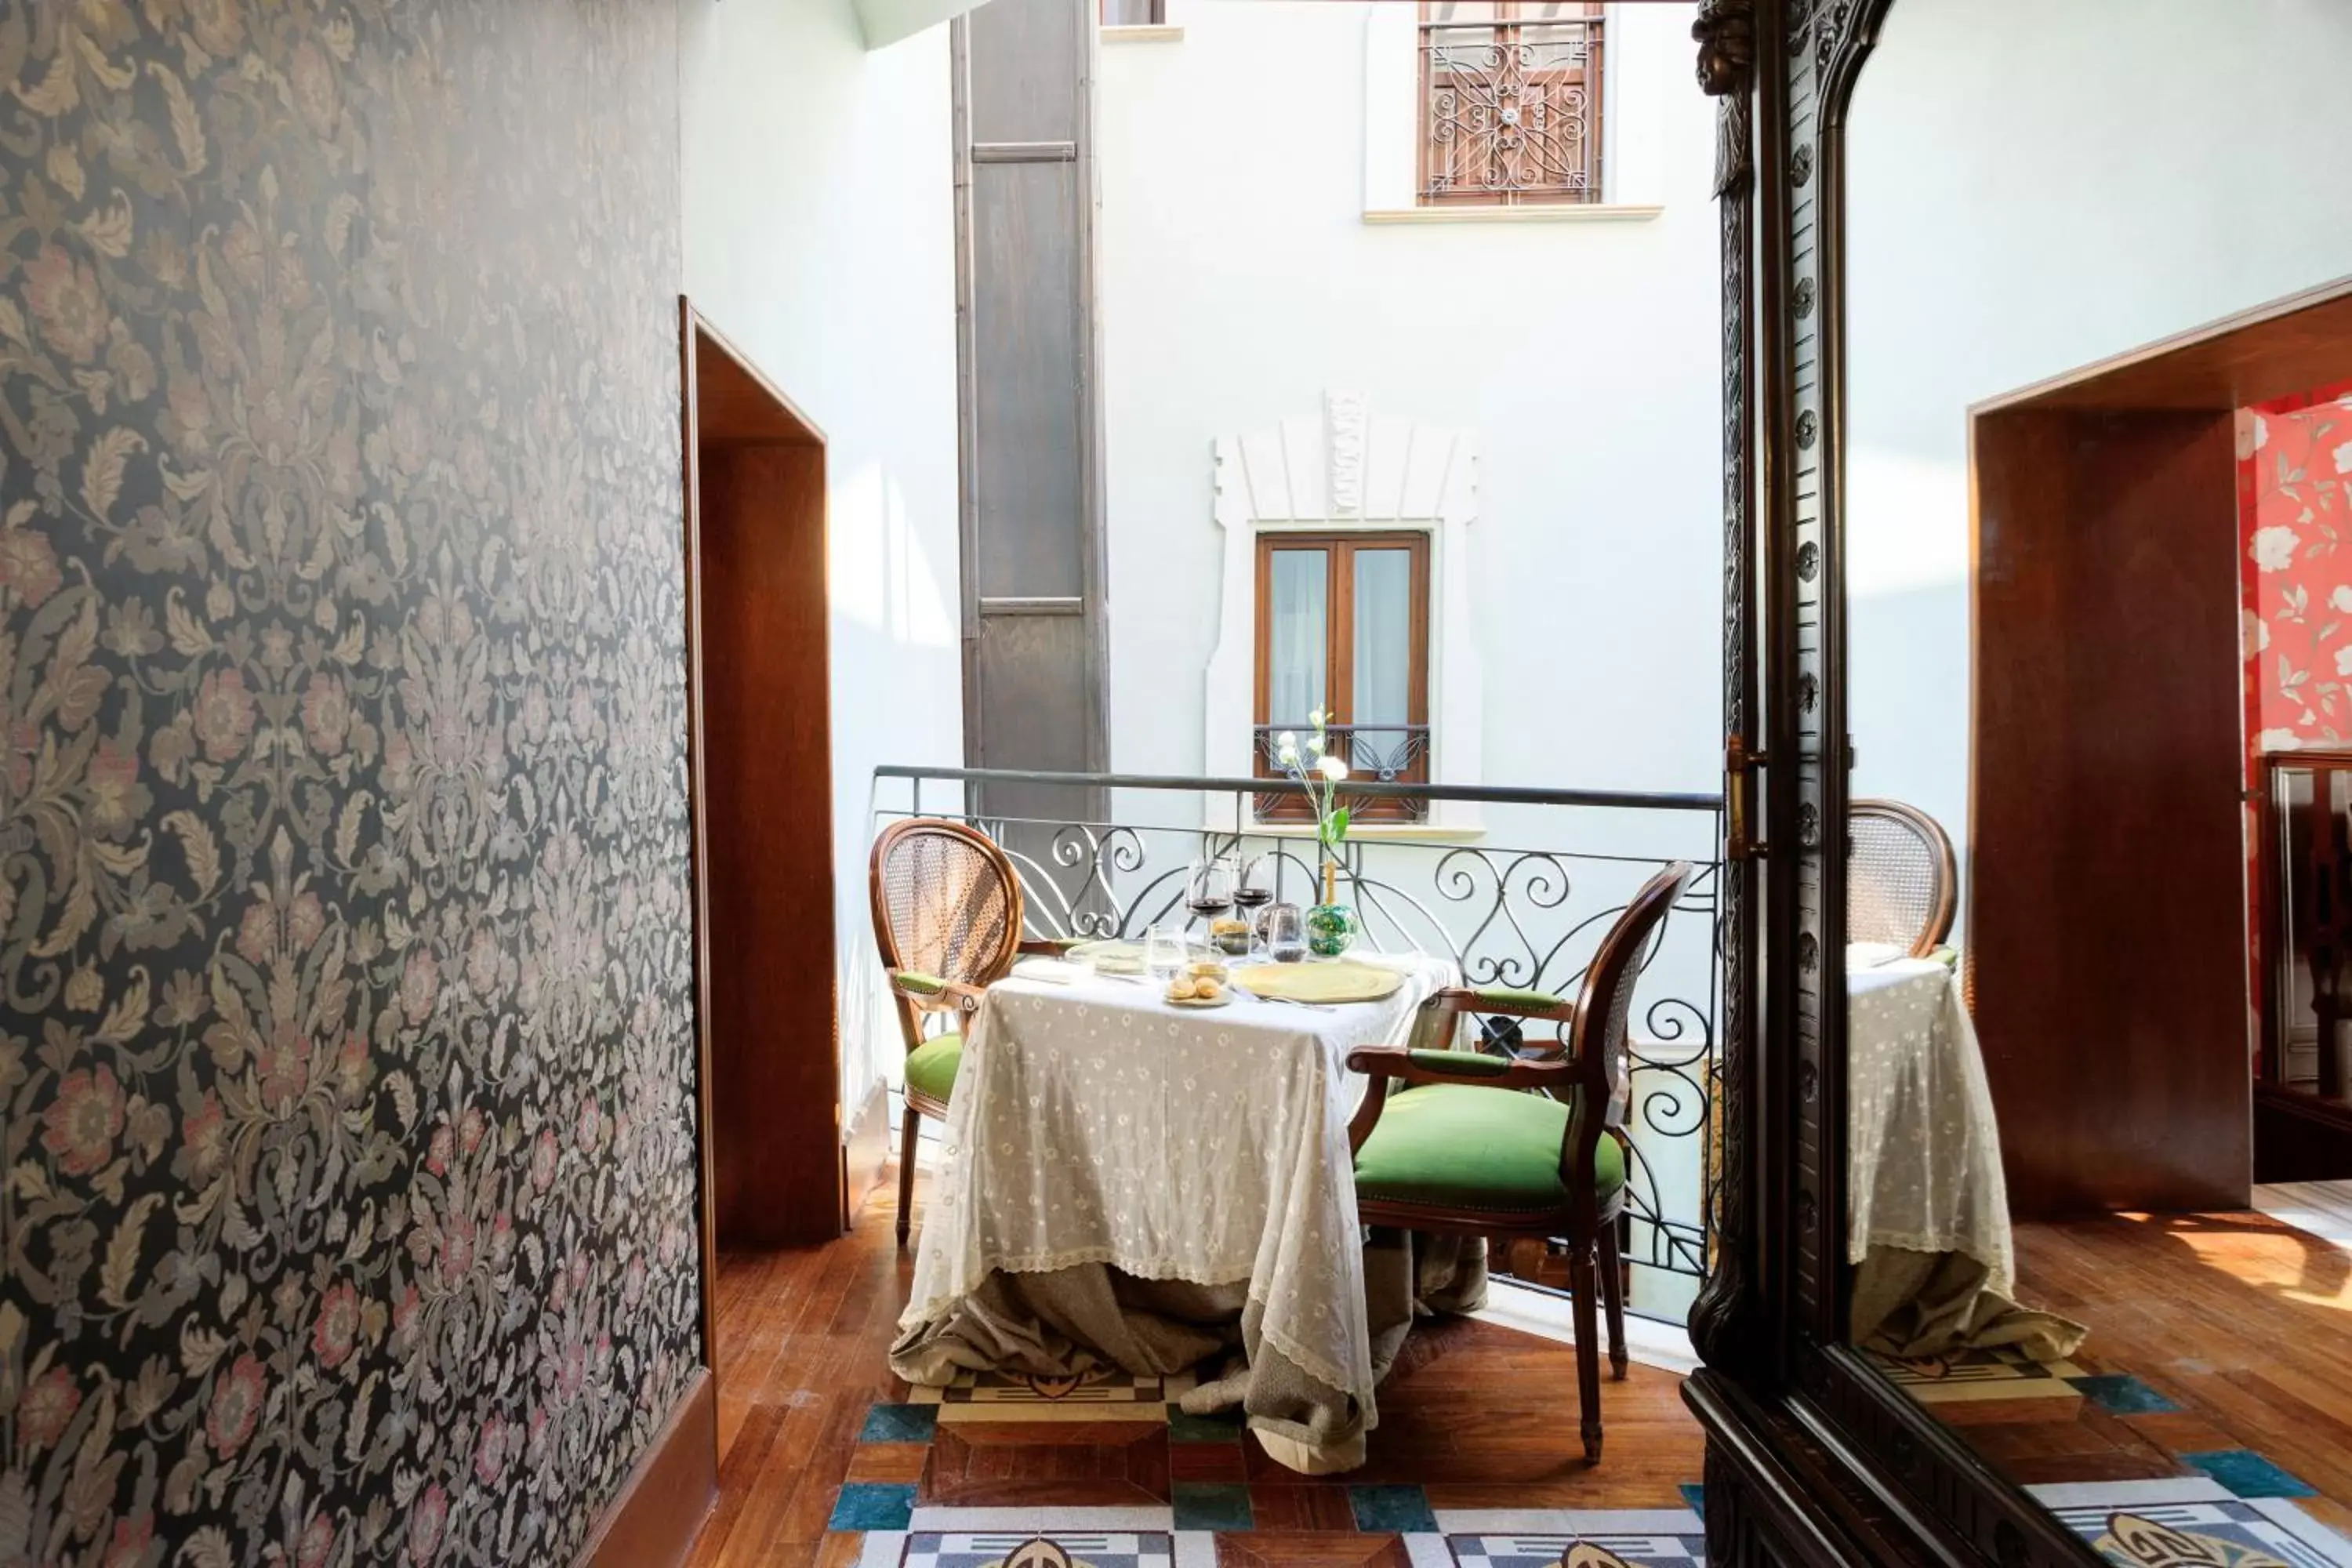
(1163, 951)
(1285, 933)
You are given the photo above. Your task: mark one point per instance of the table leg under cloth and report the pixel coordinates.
(1070, 1322)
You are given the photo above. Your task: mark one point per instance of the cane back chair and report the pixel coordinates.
(1547, 1157)
(947, 920)
(1901, 880)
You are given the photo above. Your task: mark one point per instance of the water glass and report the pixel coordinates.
(1285, 933)
(1163, 951)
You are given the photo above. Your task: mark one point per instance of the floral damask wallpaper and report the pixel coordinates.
(2294, 510)
(348, 1196)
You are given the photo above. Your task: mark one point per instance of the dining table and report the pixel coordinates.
(1126, 1182)
(1929, 1232)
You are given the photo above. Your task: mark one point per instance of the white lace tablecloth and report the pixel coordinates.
(1923, 1151)
(1093, 1122)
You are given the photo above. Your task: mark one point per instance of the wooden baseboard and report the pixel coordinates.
(865, 1151)
(653, 1521)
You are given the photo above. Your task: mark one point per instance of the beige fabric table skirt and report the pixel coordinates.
(1072, 1320)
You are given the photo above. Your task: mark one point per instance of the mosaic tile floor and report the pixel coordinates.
(2125, 1464)
(2193, 1522)
(1109, 1472)
(1175, 1490)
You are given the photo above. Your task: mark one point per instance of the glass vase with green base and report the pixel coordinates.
(1330, 925)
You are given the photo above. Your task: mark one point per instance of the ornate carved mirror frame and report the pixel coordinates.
(1812, 1456)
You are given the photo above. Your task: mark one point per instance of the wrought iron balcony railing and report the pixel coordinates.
(1529, 917)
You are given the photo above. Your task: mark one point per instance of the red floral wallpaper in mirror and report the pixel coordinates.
(2295, 511)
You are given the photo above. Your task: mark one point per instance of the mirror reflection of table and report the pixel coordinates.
(1126, 1182)
(1928, 1235)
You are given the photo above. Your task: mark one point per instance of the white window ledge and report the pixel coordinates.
(1162, 34)
(1556, 212)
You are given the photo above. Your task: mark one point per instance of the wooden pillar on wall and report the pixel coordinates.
(2106, 904)
(1029, 400)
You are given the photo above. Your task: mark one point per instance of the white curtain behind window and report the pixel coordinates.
(1296, 640)
(1383, 655)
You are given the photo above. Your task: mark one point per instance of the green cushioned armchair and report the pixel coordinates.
(1486, 1145)
(947, 920)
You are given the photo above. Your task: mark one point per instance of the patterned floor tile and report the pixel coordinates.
(1208, 1505)
(1068, 1464)
(872, 1505)
(1224, 1427)
(1999, 1374)
(1274, 1506)
(2121, 1394)
(2219, 1532)
(899, 1424)
(1548, 1549)
(1396, 1508)
(950, 1549)
(2248, 1474)
(1101, 1396)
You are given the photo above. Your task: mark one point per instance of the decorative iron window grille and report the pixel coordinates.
(1510, 103)
(1376, 753)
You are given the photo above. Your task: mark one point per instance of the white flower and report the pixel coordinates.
(1285, 747)
(2255, 633)
(2342, 597)
(1316, 718)
(2344, 661)
(2277, 740)
(1334, 768)
(2274, 547)
(2344, 458)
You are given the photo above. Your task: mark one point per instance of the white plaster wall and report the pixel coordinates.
(2032, 187)
(1240, 280)
(819, 215)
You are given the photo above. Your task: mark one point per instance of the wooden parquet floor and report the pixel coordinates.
(2215, 1335)
(1474, 1416)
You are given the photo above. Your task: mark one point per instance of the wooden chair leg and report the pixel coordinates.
(910, 1126)
(1587, 1349)
(1612, 1297)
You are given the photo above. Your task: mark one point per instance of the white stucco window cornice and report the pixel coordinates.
(1345, 468)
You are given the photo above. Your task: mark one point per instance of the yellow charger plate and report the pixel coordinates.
(1343, 980)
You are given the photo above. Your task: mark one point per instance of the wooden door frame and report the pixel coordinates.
(784, 421)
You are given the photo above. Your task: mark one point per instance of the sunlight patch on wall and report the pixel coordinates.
(1906, 523)
(882, 579)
